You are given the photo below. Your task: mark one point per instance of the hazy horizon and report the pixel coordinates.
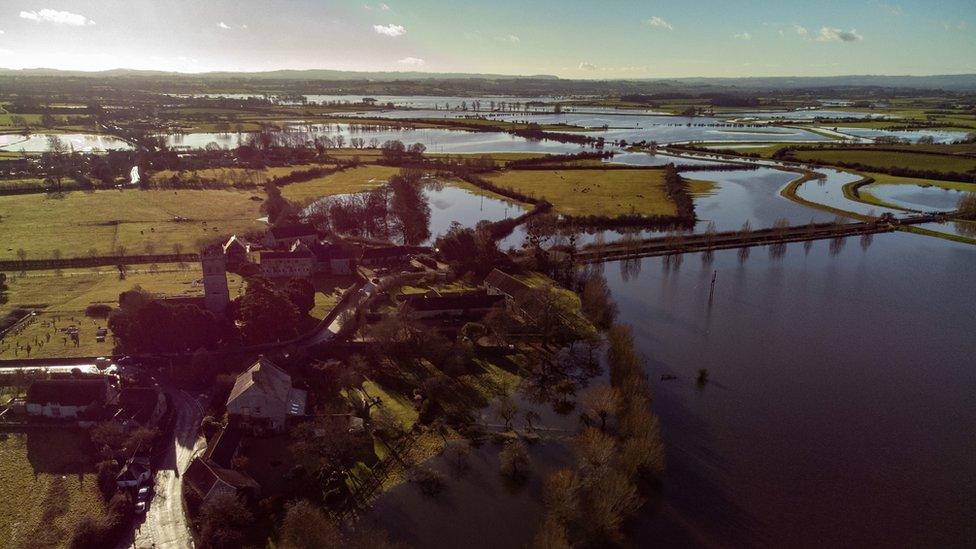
(618, 39)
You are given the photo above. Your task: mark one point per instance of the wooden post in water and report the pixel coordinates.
(711, 291)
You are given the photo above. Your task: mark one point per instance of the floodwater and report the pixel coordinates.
(940, 136)
(839, 407)
(629, 125)
(81, 142)
(436, 140)
(916, 197)
(808, 114)
(450, 204)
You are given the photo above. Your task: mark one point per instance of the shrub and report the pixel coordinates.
(98, 310)
(430, 481)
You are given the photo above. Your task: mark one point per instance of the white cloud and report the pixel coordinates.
(584, 66)
(831, 34)
(742, 36)
(801, 30)
(378, 7)
(659, 23)
(412, 62)
(511, 39)
(961, 26)
(390, 30)
(56, 17)
(893, 9)
(244, 26)
(223, 25)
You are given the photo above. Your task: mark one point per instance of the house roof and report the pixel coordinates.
(68, 392)
(225, 445)
(508, 284)
(293, 231)
(131, 471)
(298, 254)
(267, 378)
(392, 251)
(326, 252)
(138, 403)
(464, 301)
(237, 243)
(203, 473)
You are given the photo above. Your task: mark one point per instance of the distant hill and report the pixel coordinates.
(431, 83)
(953, 82)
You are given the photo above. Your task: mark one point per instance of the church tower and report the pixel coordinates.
(216, 295)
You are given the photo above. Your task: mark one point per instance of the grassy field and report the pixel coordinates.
(354, 180)
(48, 484)
(104, 220)
(890, 159)
(598, 192)
(234, 176)
(63, 298)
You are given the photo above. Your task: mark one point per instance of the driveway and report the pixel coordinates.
(165, 524)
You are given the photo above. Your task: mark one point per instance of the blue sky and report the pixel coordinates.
(595, 39)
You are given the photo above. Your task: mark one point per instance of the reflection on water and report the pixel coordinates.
(81, 142)
(839, 402)
(436, 140)
(916, 197)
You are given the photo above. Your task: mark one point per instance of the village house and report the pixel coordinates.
(212, 473)
(263, 398)
(69, 398)
(288, 264)
(236, 250)
(204, 479)
(516, 292)
(390, 255)
(140, 407)
(277, 237)
(134, 473)
(334, 258)
(467, 305)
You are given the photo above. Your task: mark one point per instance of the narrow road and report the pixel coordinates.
(165, 523)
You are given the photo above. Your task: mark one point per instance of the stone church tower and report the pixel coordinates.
(216, 294)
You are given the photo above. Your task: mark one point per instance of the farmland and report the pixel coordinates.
(48, 485)
(79, 224)
(598, 192)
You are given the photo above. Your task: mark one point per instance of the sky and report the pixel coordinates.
(604, 39)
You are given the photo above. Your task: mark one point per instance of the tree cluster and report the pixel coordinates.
(144, 324)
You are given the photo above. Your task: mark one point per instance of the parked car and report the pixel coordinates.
(140, 507)
(143, 494)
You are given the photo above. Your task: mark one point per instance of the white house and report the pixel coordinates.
(263, 397)
(68, 398)
(285, 235)
(291, 264)
(134, 473)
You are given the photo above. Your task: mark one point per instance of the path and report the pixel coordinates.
(165, 524)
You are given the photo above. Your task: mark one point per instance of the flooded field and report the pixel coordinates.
(940, 136)
(436, 140)
(915, 197)
(81, 142)
(839, 443)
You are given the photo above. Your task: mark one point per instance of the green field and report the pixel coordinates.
(353, 180)
(237, 177)
(64, 296)
(48, 484)
(139, 220)
(890, 159)
(598, 192)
